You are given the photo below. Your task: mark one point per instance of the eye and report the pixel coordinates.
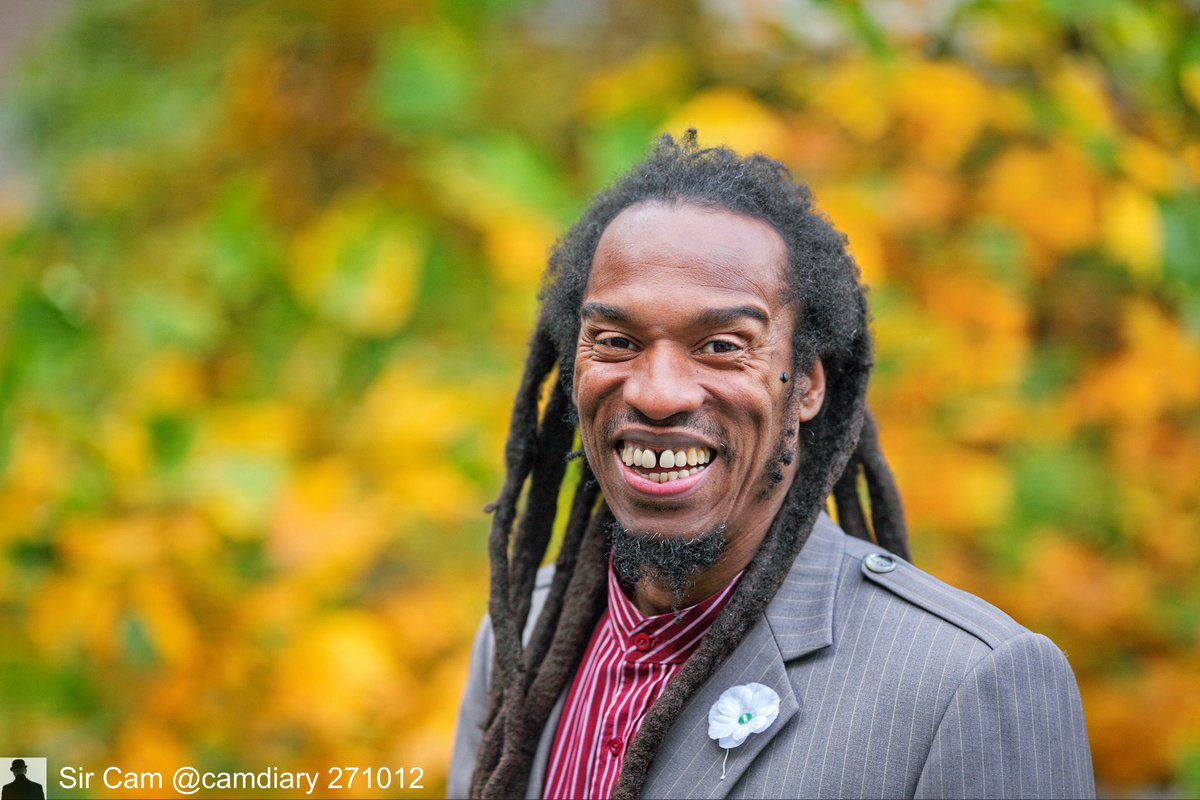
(616, 342)
(718, 347)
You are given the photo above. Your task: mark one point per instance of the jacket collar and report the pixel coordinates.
(798, 621)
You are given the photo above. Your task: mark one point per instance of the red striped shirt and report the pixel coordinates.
(628, 664)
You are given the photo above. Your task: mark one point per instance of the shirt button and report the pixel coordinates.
(614, 746)
(643, 642)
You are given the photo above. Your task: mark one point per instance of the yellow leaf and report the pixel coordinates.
(148, 745)
(926, 197)
(1080, 89)
(852, 213)
(125, 447)
(650, 78)
(1153, 374)
(168, 381)
(944, 107)
(857, 96)
(1145, 163)
(730, 117)
(1132, 228)
(518, 245)
(1191, 156)
(1189, 81)
(358, 265)
(925, 464)
(268, 428)
(168, 621)
(341, 670)
(38, 470)
(327, 495)
(1048, 194)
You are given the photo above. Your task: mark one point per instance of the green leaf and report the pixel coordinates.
(423, 82)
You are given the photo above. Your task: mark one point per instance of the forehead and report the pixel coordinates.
(670, 250)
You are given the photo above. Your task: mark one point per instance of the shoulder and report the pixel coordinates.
(842, 590)
(541, 589)
(869, 568)
(922, 630)
(545, 575)
(870, 609)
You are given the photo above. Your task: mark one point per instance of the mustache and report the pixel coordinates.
(686, 422)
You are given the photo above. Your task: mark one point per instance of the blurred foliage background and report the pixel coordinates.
(264, 307)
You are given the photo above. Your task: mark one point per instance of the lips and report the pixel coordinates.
(661, 469)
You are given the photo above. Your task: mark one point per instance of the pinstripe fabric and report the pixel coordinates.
(616, 683)
(892, 685)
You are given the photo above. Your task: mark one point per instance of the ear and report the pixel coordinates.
(810, 391)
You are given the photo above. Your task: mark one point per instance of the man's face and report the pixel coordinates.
(685, 333)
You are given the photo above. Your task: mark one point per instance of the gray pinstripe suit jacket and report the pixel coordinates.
(890, 685)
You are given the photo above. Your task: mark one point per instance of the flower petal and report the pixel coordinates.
(720, 728)
(743, 695)
(727, 721)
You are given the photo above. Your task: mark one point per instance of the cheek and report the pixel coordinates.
(588, 393)
(593, 383)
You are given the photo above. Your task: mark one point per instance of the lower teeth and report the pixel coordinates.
(667, 477)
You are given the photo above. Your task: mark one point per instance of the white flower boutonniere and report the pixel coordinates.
(739, 712)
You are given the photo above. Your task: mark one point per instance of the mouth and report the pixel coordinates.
(659, 470)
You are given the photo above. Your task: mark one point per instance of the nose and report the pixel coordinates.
(663, 383)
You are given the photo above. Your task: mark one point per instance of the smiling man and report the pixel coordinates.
(706, 629)
(686, 330)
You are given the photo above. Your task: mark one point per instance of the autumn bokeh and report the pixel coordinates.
(266, 290)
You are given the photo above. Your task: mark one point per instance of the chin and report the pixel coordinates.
(667, 527)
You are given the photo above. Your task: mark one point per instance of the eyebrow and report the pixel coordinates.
(723, 316)
(603, 311)
(710, 317)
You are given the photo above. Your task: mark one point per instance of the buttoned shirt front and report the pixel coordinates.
(628, 663)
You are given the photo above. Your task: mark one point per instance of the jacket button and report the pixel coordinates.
(879, 562)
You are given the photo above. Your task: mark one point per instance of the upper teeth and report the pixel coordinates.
(634, 456)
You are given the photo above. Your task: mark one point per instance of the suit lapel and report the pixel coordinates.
(798, 621)
(689, 763)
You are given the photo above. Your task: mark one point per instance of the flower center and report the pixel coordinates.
(744, 718)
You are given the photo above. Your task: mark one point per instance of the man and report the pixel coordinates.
(706, 630)
(21, 788)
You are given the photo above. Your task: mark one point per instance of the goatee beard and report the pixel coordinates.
(668, 561)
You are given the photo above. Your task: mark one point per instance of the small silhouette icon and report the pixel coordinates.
(21, 787)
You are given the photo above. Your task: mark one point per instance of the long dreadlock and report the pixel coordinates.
(840, 450)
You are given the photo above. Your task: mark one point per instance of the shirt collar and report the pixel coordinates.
(662, 638)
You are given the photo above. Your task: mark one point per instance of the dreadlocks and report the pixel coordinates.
(840, 447)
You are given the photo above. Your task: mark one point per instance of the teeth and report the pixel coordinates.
(673, 475)
(673, 462)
